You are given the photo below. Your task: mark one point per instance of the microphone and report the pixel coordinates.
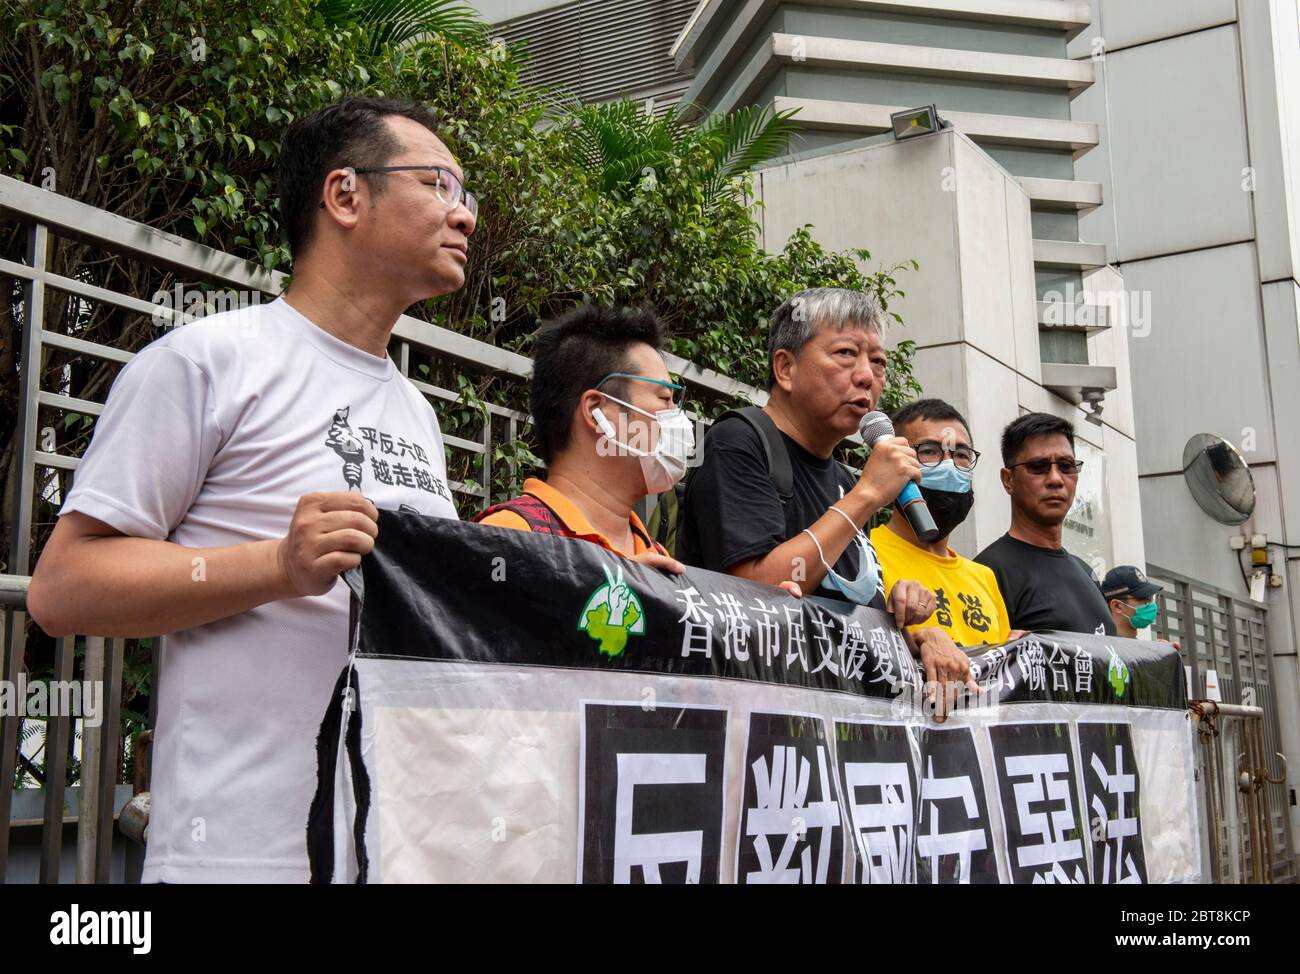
(875, 427)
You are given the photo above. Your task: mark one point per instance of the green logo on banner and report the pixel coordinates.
(612, 613)
(1117, 673)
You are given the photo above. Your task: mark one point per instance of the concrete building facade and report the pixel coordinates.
(1198, 108)
(1109, 222)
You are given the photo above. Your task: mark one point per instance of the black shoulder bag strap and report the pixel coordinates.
(774, 449)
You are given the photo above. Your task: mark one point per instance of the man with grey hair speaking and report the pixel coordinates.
(751, 512)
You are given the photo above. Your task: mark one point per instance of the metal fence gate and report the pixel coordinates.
(58, 314)
(1227, 634)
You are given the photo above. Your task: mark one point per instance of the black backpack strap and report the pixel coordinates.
(666, 516)
(774, 449)
(656, 543)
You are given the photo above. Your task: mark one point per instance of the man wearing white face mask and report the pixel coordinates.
(609, 426)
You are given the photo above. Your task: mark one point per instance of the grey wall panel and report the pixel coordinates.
(1270, 54)
(1123, 23)
(1199, 365)
(1179, 536)
(1055, 225)
(1126, 22)
(1178, 145)
(1053, 285)
(715, 74)
(1028, 161)
(880, 88)
(969, 35)
(720, 30)
(811, 140)
(1089, 105)
(770, 90)
(1068, 347)
(496, 11)
(603, 49)
(1281, 303)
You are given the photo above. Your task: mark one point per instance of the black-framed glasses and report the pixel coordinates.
(448, 188)
(1039, 468)
(930, 453)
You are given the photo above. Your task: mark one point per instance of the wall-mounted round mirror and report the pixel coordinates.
(1218, 478)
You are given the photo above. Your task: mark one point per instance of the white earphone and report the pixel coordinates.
(603, 422)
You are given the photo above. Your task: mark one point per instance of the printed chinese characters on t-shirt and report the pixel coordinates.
(393, 460)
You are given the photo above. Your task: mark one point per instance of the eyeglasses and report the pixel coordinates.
(679, 390)
(930, 453)
(448, 187)
(1039, 468)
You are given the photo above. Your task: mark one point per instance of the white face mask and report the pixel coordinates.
(665, 465)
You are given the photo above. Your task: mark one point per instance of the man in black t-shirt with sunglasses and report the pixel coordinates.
(1044, 586)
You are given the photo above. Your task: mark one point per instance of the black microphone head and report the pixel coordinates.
(875, 426)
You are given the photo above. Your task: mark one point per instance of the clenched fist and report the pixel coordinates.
(891, 465)
(329, 533)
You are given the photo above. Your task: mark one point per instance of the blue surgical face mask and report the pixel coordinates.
(866, 585)
(946, 475)
(863, 588)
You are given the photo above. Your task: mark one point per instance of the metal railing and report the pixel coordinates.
(1236, 781)
(1222, 632)
(48, 220)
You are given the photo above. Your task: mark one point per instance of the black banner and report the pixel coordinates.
(954, 843)
(1111, 792)
(879, 787)
(791, 824)
(527, 707)
(583, 606)
(651, 794)
(1040, 807)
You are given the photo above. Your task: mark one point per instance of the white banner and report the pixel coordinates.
(619, 725)
(481, 773)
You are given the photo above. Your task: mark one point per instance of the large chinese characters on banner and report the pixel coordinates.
(522, 708)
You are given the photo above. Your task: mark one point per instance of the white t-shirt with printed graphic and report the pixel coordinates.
(209, 438)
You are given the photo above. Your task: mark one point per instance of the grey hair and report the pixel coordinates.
(802, 314)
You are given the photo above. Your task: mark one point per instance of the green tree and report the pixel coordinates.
(620, 144)
(172, 114)
(393, 23)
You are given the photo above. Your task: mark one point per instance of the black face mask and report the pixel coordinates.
(948, 508)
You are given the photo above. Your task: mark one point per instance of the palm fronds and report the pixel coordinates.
(743, 139)
(620, 143)
(389, 22)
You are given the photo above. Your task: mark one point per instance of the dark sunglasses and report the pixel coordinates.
(1039, 468)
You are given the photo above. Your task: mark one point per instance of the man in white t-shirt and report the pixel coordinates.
(237, 470)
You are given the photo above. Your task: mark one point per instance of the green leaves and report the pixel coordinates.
(741, 140)
(393, 23)
(610, 205)
(627, 147)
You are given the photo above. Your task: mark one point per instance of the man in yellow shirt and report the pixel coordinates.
(968, 605)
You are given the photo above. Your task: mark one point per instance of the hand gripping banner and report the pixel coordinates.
(527, 708)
